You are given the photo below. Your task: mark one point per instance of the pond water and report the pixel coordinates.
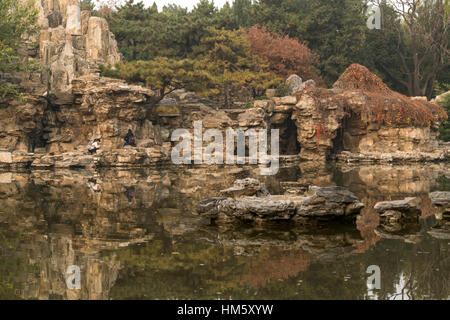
(133, 235)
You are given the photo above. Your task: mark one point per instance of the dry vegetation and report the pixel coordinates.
(382, 104)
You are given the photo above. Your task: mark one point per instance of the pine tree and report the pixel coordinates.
(18, 20)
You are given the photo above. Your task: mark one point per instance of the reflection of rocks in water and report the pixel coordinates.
(441, 226)
(72, 216)
(442, 232)
(54, 254)
(53, 219)
(385, 180)
(441, 199)
(376, 183)
(69, 224)
(275, 263)
(321, 242)
(413, 232)
(399, 214)
(229, 260)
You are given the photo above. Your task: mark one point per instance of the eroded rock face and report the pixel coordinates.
(294, 82)
(407, 205)
(102, 108)
(245, 187)
(399, 214)
(72, 44)
(325, 202)
(21, 124)
(441, 199)
(69, 104)
(362, 115)
(442, 97)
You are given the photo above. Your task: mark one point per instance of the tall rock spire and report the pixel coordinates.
(72, 43)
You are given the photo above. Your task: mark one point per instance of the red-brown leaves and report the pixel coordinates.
(285, 55)
(357, 76)
(383, 104)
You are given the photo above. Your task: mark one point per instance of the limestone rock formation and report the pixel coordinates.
(102, 108)
(441, 199)
(442, 97)
(294, 82)
(326, 201)
(21, 123)
(71, 44)
(68, 104)
(362, 115)
(318, 202)
(407, 205)
(244, 187)
(395, 214)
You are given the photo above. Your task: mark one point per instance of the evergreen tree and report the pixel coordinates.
(87, 5)
(223, 60)
(379, 52)
(17, 20)
(335, 30)
(242, 12)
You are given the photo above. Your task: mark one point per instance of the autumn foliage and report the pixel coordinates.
(285, 55)
(387, 106)
(276, 264)
(357, 76)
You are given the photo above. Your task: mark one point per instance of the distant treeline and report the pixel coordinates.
(410, 51)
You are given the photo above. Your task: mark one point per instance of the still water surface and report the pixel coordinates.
(133, 236)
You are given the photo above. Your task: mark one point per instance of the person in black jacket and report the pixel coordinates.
(129, 139)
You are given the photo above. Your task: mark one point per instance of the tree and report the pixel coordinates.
(19, 20)
(228, 62)
(242, 12)
(87, 5)
(422, 46)
(145, 33)
(445, 126)
(333, 29)
(226, 18)
(161, 74)
(134, 34)
(223, 61)
(380, 49)
(443, 91)
(285, 55)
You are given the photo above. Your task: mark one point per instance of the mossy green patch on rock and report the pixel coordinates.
(167, 110)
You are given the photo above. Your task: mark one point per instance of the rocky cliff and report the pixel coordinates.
(71, 44)
(68, 104)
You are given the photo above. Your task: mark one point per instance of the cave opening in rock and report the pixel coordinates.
(289, 144)
(34, 142)
(338, 141)
(349, 134)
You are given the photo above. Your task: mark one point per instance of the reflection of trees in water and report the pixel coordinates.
(167, 254)
(274, 264)
(420, 271)
(199, 267)
(366, 223)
